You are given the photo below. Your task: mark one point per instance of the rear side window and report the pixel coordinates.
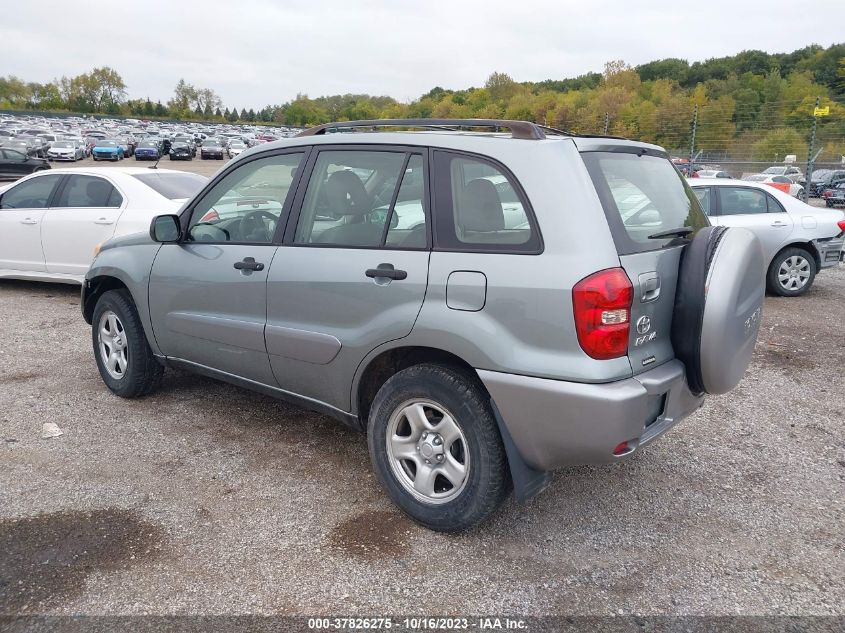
(642, 195)
(88, 191)
(745, 201)
(480, 207)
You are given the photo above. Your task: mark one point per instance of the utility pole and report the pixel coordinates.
(808, 178)
(692, 142)
(606, 123)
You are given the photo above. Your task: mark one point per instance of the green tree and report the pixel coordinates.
(500, 86)
(778, 143)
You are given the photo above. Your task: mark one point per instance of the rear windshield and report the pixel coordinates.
(173, 186)
(642, 195)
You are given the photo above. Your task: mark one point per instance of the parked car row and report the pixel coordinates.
(75, 138)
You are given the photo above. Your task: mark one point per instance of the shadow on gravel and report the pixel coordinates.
(49, 556)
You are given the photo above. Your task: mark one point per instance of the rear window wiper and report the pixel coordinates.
(681, 231)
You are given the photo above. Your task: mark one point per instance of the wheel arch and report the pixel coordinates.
(94, 288)
(374, 371)
(803, 245)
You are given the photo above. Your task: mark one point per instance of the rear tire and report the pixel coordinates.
(445, 413)
(124, 357)
(791, 272)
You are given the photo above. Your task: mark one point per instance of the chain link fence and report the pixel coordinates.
(728, 135)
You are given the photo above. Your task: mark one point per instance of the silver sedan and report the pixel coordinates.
(798, 240)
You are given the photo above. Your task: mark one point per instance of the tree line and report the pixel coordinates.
(754, 103)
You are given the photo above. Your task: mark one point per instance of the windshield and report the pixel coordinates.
(775, 170)
(106, 144)
(62, 144)
(821, 174)
(642, 195)
(173, 185)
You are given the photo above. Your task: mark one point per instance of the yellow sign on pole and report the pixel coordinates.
(821, 111)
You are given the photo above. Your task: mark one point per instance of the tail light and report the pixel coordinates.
(602, 308)
(210, 216)
(841, 225)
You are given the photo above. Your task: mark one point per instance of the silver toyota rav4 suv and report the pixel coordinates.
(485, 306)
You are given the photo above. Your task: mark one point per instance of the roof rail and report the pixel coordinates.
(519, 129)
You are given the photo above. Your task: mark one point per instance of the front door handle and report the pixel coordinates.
(103, 221)
(249, 263)
(29, 221)
(386, 271)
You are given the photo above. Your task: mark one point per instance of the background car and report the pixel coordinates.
(148, 150)
(180, 150)
(834, 196)
(790, 171)
(211, 148)
(713, 173)
(22, 146)
(14, 164)
(798, 240)
(782, 183)
(236, 147)
(107, 149)
(40, 240)
(823, 179)
(65, 150)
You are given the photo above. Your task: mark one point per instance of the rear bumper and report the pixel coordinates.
(555, 423)
(830, 251)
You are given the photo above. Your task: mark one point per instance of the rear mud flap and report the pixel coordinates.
(527, 482)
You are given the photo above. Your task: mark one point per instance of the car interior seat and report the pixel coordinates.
(347, 197)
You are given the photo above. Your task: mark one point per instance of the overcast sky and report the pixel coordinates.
(259, 52)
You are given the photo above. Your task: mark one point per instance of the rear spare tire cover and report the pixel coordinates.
(718, 306)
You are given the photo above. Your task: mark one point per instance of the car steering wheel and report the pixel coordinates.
(251, 222)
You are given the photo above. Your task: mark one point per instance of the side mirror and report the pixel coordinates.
(166, 229)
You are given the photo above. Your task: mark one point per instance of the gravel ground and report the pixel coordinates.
(206, 499)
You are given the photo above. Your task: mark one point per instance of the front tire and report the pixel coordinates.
(436, 449)
(124, 358)
(791, 272)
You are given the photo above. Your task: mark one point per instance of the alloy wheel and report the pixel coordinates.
(427, 451)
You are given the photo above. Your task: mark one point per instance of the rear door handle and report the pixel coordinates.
(29, 221)
(103, 221)
(386, 271)
(778, 223)
(249, 263)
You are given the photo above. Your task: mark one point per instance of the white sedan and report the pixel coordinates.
(798, 240)
(783, 183)
(51, 221)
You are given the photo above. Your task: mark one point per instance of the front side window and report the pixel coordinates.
(742, 201)
(30, 194)
(246, 205)
(88, 191)
(364, 199)
(479, 207)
